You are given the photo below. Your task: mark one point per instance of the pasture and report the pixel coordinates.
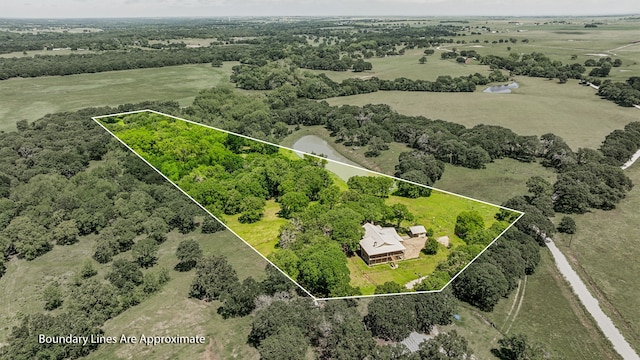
(538, 107)
(162, 313)
(604, 252)
(543, 308)
(32, 98)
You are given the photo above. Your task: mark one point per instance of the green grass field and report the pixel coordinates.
(604, 251)
(539, 106)
(33, 98)
(500, 181)
(262, 235)
(548, 313)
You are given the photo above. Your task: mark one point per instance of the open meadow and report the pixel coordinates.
(604, 251)
(32, 98)
(544, 309)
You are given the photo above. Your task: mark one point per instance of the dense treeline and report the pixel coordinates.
(47, 65)
(52, 197)
(622, 93)
(273, 75)
(619, 146)
(119, 46)
(534, 65)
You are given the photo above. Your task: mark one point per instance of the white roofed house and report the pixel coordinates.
(380, 245)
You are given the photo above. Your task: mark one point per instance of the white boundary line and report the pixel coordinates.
(95, 118)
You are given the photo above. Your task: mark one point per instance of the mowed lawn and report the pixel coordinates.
(32, 98)
(538, 107)
(439, 212)
(605, 253)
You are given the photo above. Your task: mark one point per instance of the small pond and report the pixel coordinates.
(317, 145)
(502, 89)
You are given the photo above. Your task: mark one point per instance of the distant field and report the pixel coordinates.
(33, 98)
(539, 106)
(407, 65)
(549, 314)
(604, 251)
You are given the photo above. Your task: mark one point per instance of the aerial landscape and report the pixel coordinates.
(198, 181)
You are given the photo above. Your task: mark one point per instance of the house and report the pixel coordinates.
(380, 245)
(418, 231)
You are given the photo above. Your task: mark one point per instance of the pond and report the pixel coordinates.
(336, 164)
(502, 89)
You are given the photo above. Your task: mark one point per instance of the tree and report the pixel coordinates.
(188, 254)
(436, 281)
(431, 246)
(66, 233)
(289, 343)
(539, 186)
(88, 270)
(361, 65)
(390, 287)
(52, 297)
(468, 222)
(124, 275)
(386, 322)
(400, 212)
(279, 314)
(29, 239)
(413, 191)
(292, 202)
(435, 309)
(567, 225)
(211, 225)
(240, 300)
(422, 60)
(481, 285)
(446, 346)
(145, 252)
(214, 277)
(156, 228)
(323, 270)
(519, 347)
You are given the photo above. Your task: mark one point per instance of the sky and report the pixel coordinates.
(214, 8)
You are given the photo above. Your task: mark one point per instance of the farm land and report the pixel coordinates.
(572, 111)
